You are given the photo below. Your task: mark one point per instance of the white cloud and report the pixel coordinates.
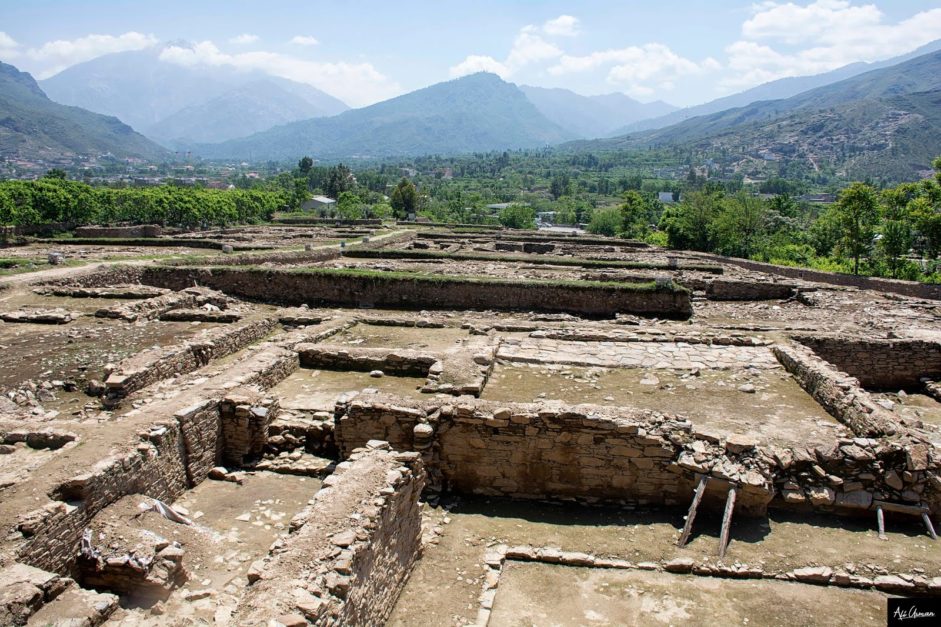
(528, 47)
(818, 37)
(357, 84)
(303, 40)
(54, 56)
(637, 68)
(562, 26)
(479, 63)
(244, 39)
(9, 48)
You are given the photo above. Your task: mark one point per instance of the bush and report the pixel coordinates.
(605, 221)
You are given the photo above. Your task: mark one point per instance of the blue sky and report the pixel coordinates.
(682, 52)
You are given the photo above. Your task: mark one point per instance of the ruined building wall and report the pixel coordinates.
(175, 452)
(315, 288)
(533, 451)
(836, 391)
(350, 553)
(879, 363)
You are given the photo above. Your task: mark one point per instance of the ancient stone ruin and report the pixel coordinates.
(442, 427)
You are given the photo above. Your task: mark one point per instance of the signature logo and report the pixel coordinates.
(911, 613)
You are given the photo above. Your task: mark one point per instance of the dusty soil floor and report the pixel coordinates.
(414, 338)
(318, 390)
(544, 595)
(777, 412)
(239, 523)
(81, 349)
(445, 585)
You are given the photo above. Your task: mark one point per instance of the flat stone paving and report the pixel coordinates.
(544, 594)
(655, 355)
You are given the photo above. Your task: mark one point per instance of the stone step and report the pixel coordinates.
(76, 607)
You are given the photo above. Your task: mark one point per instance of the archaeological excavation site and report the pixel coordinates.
(406, 424)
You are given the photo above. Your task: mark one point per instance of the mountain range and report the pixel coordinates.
(772, 90)
(880, 122)
(592, 116)
(479, 112)
(178, 105)
(884, 123)
(33, 126)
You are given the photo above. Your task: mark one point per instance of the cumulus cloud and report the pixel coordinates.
(529, 47)
(357, 84)
(9, 48)
(637, 68)
(244, 39)
(562, 26)
(303, 40)
(789, 39)
(54, 56)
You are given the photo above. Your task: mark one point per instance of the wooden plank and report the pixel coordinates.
(727, 521)
(880, 519)
(691, 515)
(925, 517)
(914, 510)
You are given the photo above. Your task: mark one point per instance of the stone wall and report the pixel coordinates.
(838, 393)
(722, 289)
(402, 362)
(602, 454)
(906, 288)
(139, 230)
(245, 416)
(350, 289)
(159, 363)
(587, 453)
(880, 363)
(350, 552)
(172, 454)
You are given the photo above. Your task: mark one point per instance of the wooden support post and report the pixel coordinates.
(727, 521)
(691, 515)
(925, 517)
(880, 519)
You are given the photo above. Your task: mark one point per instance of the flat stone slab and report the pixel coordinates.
(40, 316)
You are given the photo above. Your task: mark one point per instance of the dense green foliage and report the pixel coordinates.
(52, 200)
(894, 232)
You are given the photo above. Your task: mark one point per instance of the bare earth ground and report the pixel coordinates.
(777, 412)
(444, 587)
(318, 390)
(238, 524)
(545, 595)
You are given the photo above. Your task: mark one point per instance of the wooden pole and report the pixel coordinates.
(880, 519)
(925, 517)
(691, 515)
(727, 521)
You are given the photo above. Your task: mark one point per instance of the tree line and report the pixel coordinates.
(52, 199)
(892, 232)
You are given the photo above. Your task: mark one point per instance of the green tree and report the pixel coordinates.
(739, 225)
(349, 206)
(339, 179)
(858, 213)
(55, 173)
(606, 221)
(635, 215)
(561, 185)
(518, 216)
(404, 199)
(305, 165)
